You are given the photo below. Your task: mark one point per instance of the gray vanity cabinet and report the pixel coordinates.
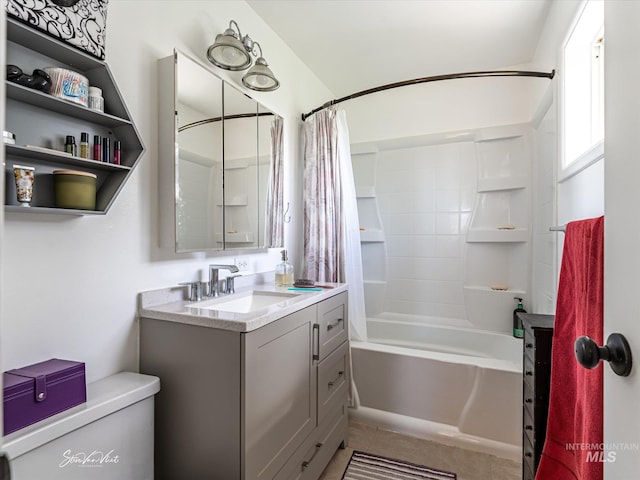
(279, 386)
(265, 404)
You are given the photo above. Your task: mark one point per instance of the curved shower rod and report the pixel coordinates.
(226, 117)
(450, 76)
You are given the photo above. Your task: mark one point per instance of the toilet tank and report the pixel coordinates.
(111, 437)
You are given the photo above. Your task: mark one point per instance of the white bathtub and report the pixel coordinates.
(456, 386)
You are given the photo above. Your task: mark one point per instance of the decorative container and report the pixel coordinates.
(38, 391)
(69, 85)
(74, 189)
(81, 23)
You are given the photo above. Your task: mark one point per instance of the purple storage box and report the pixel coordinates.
(41, 390)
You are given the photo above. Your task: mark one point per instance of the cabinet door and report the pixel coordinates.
(279, 393)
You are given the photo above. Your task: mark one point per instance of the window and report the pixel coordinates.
(583, 89)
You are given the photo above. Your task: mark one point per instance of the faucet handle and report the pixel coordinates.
(230, 286)
(194, 289)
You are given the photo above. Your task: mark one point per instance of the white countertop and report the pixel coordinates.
(169, 305)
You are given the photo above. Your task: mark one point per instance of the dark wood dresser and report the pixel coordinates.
(536, 372)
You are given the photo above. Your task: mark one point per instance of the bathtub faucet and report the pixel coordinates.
(214, 286)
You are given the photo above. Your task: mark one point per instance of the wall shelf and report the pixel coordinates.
(30, 154)
(501, 184)
(489, 291)
(365, 191)
(481, 235)
(371, 236)
(39, 119)
(236, 237)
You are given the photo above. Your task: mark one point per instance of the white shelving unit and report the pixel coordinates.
(499, 234)
(372, 239)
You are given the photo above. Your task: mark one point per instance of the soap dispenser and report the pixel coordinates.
(518, 332)
(284, 272)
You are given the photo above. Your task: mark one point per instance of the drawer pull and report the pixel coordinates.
(528, 454)
(315, 355)
(331, 326)
(528, 427)
(306, 463)
(333, 382)
(529, 400)
(529, 345)
(529, 373)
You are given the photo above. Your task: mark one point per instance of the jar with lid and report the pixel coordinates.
(96, 102)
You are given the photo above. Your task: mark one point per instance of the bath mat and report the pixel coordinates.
(365, 466)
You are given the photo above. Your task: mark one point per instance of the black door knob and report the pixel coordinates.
(616, 352)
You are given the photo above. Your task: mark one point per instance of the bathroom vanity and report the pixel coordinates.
(257, 394)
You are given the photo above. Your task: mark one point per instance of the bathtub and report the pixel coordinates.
(452, 385)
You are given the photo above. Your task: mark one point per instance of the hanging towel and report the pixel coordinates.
(574, 427)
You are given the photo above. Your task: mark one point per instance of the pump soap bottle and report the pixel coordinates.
(284, 272)
(518, 332)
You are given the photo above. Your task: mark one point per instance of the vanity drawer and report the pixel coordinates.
(332, 324)
(333, 380)
(314, 453)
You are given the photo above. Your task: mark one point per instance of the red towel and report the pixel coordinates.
(574, 427)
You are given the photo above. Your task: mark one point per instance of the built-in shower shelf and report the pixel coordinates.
(366, 191)
(501, 183)
(491, 291)
(371, 235)
(235, 237)
(482, 235)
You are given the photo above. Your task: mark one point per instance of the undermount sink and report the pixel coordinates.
(244, 303)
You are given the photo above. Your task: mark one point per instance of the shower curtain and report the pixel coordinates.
(331, 225)
(274, 209)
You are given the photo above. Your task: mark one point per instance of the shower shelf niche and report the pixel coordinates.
(501, 184)
(495, 255)
(485, 235)
(371, 235)
(368, 191)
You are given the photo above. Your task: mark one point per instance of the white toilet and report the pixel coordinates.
(109, 437)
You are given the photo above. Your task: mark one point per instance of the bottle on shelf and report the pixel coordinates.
(84, 145)
(518, 332)
(284, 272)
(117, 151)
(97, 148)
(70, 145)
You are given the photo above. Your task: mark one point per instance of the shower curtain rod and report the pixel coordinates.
(450, 76)
(226, 117)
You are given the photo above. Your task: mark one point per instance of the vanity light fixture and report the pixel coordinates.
(232, 51)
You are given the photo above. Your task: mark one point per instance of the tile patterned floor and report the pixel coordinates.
(468, 465)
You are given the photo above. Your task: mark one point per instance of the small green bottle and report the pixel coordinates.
(518, 332)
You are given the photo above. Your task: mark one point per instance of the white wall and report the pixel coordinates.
(70, 284)
(445, 106)
(544, 264)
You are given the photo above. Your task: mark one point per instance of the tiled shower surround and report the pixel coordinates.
(425, 197)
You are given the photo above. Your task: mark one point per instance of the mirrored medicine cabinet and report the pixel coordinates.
(216, 155)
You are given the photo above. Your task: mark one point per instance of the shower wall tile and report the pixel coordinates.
(447, 223)
(424, 223)
(411, 246)
(448, 200)
(426, 196)
(467, 199)
(398, 224)
(395, 203)
(423, 201)
(411, 268)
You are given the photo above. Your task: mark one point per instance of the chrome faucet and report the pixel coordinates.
(214, 286)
